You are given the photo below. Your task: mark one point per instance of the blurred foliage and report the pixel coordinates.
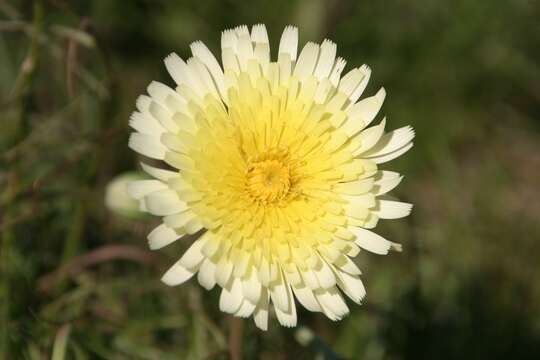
(77, 281)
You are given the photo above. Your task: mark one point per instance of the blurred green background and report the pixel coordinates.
(77, 280)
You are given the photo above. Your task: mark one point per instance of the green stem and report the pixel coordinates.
(22, 95)
(236, 330)
(72, 244)
(7, 237)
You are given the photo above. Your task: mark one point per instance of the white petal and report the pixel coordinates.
(160, 92)
(174, 143)
(329, 252)
(162, 236)
(356, 187)
(324, 91)
(241, 262)
(142, 103)
(161, 174)
(358, 202)
(180, 219)
(370, 137)
(344, 263)
(344, 234)
(279, 294)
(224, 271)
(352, 250)
(241, 30)
(261, 311)
(145, 123)
(386, 181)
(352, 286)
(244, 51)
(177, 68)
(176, 103)
(339, 65)
(306, 61)
(164, 202)
(177, 274)
(371, 221)
(287, 317)
(324, 274)
(231, 297)
(186, 123)
(305, 296)
(207, 274)
(262, 53)
(391, 142)
(193, 226)
(285, 67)
(193, 256)
(308, 89)
(201, 51)
(367, 109)
(179, 161)
(184, 75)
(246, 309)
(140, 188)
(229, 39)
(230, 62)
(142, 206)
(147, 145)
(252, 287)
(350, 81)
(289, 42)
(332, 303)
(391, 156)
(362, 86)
(163, 116)
(264, 272)
(373, 242)
(387, 209)
(309, 278)
(201, 74)
(259, 36)
(326, 59)
(212, 244)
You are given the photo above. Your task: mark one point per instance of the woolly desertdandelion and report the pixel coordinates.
(275, 164)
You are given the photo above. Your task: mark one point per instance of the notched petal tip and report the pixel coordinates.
(176, 275)
(396, 247)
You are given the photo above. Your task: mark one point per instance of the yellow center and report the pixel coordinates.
(268, 180)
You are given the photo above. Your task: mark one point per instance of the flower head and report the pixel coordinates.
(275, 165)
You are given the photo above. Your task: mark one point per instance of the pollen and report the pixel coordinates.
(268, 181)
(270, 178)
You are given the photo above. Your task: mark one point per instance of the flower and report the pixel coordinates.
(118, 201)
(275, 167)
